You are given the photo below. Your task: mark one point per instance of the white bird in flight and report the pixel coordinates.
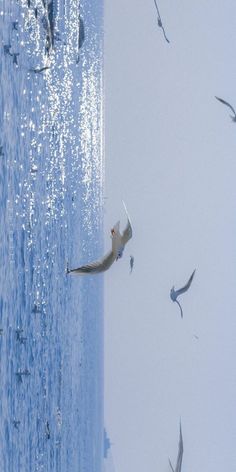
(118, 244)
(228, 105)
(180, 454)
(175, 293)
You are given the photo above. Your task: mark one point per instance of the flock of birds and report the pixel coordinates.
(46, 15)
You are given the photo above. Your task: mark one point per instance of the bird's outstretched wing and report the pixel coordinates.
(131, 263)
(226, 103)
(160, 21)
(128, 232)
(95, 267)
(180, 452)
(186, 286)
(157, 9)
(172, 468)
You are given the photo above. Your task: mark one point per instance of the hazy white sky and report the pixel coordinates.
(171, 155)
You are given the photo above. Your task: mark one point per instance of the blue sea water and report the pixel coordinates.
(51, 187)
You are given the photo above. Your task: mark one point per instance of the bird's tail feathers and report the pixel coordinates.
(180, 307)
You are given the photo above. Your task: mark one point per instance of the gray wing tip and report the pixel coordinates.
(172, 468)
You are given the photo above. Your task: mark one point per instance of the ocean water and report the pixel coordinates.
(51, 187)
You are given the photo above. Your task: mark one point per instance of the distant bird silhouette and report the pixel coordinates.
(174, 294)
(18, 333)
(36, 308)
(131, 263)
(230, 106)
(41, 69)
(7, 48)
(20, 373)
(159, 22)
(14, 55)
(180, 453)
(16, 424)
(48, 434)
(15, 25)
(81, 37)
(118, 244)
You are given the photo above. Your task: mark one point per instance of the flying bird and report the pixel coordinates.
(38, 70)
(81, 37)
(48, 434)
(118, 244)
(6, 49)
(175, 293)
(131, 263)
(14, 55)
(15, 25)
(159, 21)
(228, 105)
(180, 454)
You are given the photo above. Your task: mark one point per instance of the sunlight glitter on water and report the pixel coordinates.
(51, 181)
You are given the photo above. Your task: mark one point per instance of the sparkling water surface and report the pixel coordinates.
(51, 186)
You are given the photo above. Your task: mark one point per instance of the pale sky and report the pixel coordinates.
(171, 155)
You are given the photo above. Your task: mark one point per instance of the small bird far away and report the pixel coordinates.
(131, 263)
(174, 294)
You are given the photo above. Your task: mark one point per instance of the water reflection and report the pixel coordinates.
(51, 184)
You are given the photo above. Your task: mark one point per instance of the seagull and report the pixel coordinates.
(41, 69)
(118, 244)
(180, 454)
(81, 37)
(175, 293)
(131, 263)
(7, 48)
(230, 106)
(48, 434)
(20, 373)
(14, 55)
(159, 22)
(16, 424)
(15, 25)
